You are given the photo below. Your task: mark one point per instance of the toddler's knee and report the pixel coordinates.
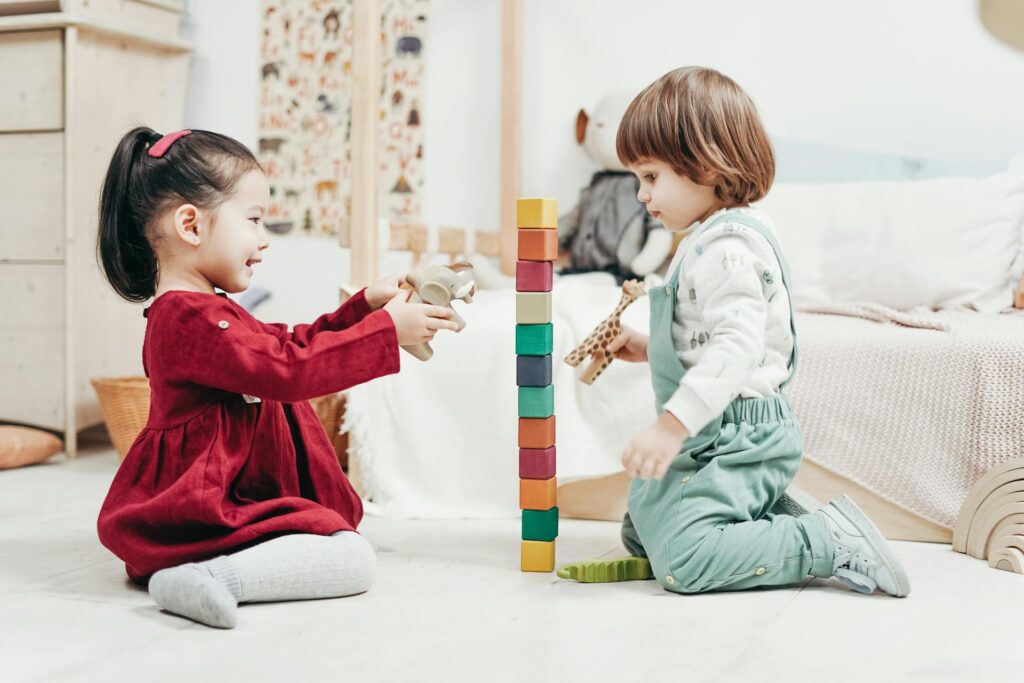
(687, 579)
(694, 573)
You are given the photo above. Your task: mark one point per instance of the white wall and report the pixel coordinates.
(915, 77)
(223, 78)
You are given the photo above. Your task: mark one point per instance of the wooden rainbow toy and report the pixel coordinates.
(537, 223)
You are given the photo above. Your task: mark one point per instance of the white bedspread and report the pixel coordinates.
(439, 439)
(915, 411)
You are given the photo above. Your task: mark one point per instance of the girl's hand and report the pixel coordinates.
(383, 291)
(629, 345)
(651, 451)
(417, 323)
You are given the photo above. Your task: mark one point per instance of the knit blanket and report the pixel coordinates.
(915, 407)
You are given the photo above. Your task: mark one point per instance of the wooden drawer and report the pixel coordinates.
(32, 194)
(31, 81)
(160, 17)
(32, 344)
(10, 7)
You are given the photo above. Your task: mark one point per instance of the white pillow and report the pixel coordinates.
(939, 243)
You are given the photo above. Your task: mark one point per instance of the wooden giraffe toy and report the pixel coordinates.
(603, 334)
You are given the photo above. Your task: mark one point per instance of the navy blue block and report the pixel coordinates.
(533, 371)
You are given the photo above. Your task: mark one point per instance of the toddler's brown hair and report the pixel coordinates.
(702, 124)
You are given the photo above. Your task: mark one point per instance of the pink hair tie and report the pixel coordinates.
(161, 145)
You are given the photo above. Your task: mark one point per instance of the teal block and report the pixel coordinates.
(540, 525)
(537, 401)
(535, 340)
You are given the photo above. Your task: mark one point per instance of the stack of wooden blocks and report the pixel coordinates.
(537, 220)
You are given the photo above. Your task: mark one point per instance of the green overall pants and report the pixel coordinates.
(714, 521)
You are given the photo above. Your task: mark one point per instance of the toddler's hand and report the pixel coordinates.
(383, 291)
(651, 451)
(629, 345)
(417, 323)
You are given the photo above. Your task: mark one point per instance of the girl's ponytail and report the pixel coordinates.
(125, 253)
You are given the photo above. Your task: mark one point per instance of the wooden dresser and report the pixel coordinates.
(75, 75)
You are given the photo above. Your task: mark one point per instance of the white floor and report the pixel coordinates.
(451, 605)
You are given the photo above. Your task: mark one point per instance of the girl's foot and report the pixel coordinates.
(191, 591)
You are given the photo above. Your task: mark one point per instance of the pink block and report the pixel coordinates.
(533, 276)
(537, 463)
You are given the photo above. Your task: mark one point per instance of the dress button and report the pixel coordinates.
(760, 571)
(670, 579)
(223, 324)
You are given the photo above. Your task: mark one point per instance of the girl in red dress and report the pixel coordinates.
(232, 492)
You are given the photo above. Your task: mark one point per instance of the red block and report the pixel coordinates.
(536, 463)
(533, 276)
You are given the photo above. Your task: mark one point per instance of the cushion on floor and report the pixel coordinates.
(25, 446)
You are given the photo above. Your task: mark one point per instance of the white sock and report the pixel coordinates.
(190, 590)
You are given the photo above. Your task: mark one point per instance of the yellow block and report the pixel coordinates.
(538, 556)
(537, 212)
(533, 308)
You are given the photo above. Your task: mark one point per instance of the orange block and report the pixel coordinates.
(538, 245)
(538, 494)
(536, 432)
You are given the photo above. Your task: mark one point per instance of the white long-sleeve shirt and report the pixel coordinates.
(731, 326)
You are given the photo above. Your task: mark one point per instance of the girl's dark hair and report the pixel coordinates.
(201, 168)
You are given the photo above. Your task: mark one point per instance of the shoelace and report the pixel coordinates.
(855, 560)
(849, 557)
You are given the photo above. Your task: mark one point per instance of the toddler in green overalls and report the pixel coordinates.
(706, 509)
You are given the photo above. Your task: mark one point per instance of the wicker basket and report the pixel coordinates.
(331, 411)
(125, 405)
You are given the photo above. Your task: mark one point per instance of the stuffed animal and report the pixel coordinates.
(609, 229)
(440, 285)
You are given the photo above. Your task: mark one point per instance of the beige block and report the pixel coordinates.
(533, 308)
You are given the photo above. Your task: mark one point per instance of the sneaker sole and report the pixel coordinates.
(877, 541)
(608, 571)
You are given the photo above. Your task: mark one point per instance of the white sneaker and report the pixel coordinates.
(863, 559)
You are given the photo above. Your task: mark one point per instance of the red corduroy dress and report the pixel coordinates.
(212, 473)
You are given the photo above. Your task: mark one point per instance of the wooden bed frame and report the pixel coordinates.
(1001, 540)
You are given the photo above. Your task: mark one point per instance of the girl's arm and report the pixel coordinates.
(209, 343)
(348, 314)
(727, 279)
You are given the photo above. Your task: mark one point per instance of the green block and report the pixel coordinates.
(540, 525)
(537, 401)
(534, 340)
